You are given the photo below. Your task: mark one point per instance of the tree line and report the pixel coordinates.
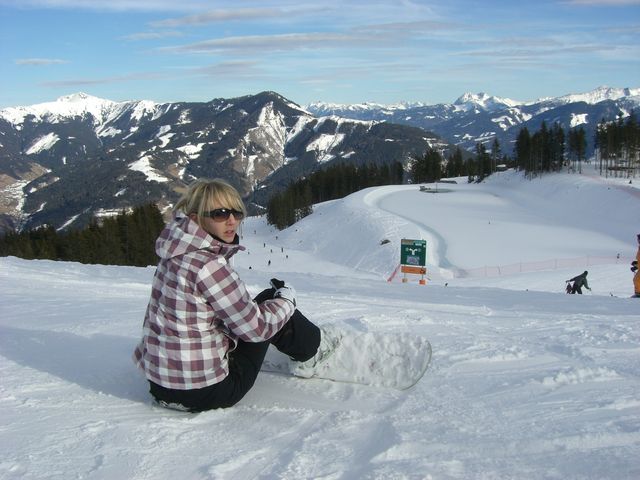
(296, 202)
(547, 150)
(432, 166)
(618, 147)
(125, 239)
(550, 149)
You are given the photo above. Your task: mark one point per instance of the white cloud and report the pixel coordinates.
(215, 16)
(79, 82)
(230, 69)
(110, 5)
(603, 3)
(40, 61)
(152, 35)
(286, 41)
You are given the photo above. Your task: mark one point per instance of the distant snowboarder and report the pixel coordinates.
(634, 269)
(579, 282)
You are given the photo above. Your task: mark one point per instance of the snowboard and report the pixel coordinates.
(380, 359)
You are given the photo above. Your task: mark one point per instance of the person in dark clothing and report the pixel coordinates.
(636, 271)
(579, 282)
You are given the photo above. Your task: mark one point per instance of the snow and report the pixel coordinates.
(43, 143)
(143, 164)
(164, 136)
(599, 94)
(578, 119)
(525, 381)
(270, 133)
(146, 108)
(324, 144)
(301, 124)
(78, 104)
(68, 222)
(387, 109)
(185, 117)
(485, 102)
(191, 151)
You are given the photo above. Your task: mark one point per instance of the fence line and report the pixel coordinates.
(520, 267)
(554, 264)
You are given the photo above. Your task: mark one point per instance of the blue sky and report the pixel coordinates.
(335, 51)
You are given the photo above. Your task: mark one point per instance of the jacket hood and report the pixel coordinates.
(184, 235)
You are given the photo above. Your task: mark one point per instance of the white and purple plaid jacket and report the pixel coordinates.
(199, 307)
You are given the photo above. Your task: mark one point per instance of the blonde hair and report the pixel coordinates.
(205, 194)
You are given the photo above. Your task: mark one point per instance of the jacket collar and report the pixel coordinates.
(184, 235)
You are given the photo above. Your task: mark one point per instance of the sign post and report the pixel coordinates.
(413, 258)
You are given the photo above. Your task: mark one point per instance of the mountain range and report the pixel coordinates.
(66, 161)
(479, 118)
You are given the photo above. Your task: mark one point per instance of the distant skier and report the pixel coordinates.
(634, 268)
(579, 282)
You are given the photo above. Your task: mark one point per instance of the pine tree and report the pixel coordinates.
(523, 150)
(496, 154)
(286, 207)
(127, 239)
(427, 168)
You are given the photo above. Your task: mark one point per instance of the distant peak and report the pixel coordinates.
(483, 101)
(597, 95)
(75, 97)
(469, 97)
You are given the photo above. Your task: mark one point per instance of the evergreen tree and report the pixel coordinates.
(577, 148)
(127, 239)
(455, 164)
(286, 207)
(427, 168)
(496, 154)
(617, 146)
(483, 162)
(523, 150)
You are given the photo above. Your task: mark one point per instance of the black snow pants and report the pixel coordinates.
(299, 338)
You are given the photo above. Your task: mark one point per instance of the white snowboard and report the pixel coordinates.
(393, 360)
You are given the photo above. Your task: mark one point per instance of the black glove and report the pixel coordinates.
(264, 295)
(283, 291)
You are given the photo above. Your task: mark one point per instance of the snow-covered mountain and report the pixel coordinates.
(99, 110)
(62, 162)
(480, 117)
(483, 101)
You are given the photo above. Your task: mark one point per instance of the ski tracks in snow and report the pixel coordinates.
(533, 383)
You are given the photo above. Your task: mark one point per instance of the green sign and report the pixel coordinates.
(413, 252)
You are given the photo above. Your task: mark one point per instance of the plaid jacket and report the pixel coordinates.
(198, 309)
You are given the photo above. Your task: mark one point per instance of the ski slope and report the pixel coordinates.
(525, 381)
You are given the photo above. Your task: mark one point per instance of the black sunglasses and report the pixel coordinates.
(222, 214)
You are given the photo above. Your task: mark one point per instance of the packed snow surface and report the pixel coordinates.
(526, 382)
(43, 143)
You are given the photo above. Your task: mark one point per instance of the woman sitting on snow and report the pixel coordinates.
(204, 337)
